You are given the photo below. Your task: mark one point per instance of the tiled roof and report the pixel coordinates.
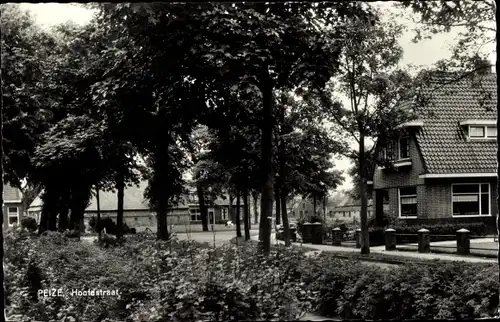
(133, 199)
(11, 194)
(442, 141)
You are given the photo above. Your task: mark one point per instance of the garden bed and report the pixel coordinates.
(188, 281)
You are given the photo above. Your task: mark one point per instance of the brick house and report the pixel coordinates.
(349, 209)
(138, 214)
(12, 205)
(444, 166)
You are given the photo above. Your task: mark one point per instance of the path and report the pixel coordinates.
(221, 237)
(395, 254)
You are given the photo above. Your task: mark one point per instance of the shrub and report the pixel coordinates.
(158, 280)
(29, 223)
(451, 290)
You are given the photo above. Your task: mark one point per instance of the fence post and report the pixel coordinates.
(317, 233)
(336, 237)
(423, 241)
(390, 239)
(463, 242)
(306, 232)
(358, 238)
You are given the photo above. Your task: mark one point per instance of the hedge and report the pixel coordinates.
(450, 291)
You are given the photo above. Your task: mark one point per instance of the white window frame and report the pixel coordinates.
(399, 148)
(485, 131)
(197, 213)
(9, 215)
(224, 214)
(399, 203)
(479, 199)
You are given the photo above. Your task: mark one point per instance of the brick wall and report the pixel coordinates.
(401, 177)
(434, 198)
(438, 195)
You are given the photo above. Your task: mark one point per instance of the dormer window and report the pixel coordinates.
(480, 129)
(404, 148)
(482, 132)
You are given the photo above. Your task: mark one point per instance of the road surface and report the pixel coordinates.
(221, 237)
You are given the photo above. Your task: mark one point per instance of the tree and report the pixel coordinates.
(304, 150)
(272, 46)
(374, 87)
(26, 49)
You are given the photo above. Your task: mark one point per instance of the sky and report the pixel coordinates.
(424, 53)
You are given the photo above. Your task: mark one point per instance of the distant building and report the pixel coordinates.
(12, 205)
(349, 209)
(137, 213)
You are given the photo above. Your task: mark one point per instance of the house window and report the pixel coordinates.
(471, 199)
(13, 213)
(303, 206)
(349, 214)
(482, 132)
(195, 214)
(224, 214)
(343, 213)
(389, 152)
(408, 202)
(491, 131)
(404, 148)
(301, 213)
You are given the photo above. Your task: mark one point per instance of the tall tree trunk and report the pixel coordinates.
(246, 214)
(230, 209)
(314, 205)
(54, 211)
(324, 209)
(63, 213)
(238, 213)
(120, 187)
(278, 205)
(98, 223)
(47, 209)
(203, 207)
(284, 215)
(365, 238)
(255, 196)
(266, 205)
(161, 199)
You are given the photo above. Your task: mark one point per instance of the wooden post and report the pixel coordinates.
(317, 233)
(358, 238)
(463, 242)
(424, 241)
(390, 239)
(336, 237)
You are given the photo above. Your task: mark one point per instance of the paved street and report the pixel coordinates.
(221, 237)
